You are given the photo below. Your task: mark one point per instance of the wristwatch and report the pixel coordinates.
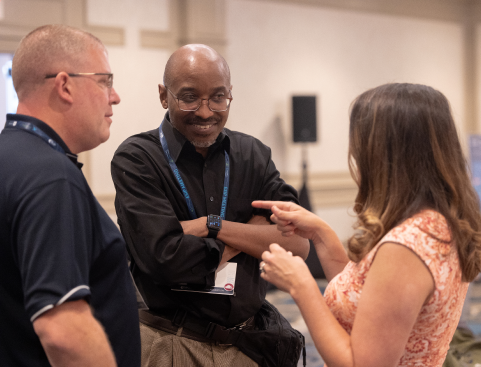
(214, 224)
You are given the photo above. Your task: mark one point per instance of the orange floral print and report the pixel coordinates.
(428, 235)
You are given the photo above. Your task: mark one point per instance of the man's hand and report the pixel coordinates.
(72, 337)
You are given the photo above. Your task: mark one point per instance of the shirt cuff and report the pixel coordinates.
(74, 294)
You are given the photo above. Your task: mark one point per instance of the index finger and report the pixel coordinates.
(265, 204)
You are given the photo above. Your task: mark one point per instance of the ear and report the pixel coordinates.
(163, 96)
(63, 86)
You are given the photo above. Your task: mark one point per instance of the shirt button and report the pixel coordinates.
(211, 198)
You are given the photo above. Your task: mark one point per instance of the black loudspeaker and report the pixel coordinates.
(304, 121)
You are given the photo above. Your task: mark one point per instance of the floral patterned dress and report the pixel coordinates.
(428, 235)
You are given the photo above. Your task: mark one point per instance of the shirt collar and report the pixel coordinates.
(177, 142)
(49, 131)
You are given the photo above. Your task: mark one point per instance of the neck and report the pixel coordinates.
(202, 151)
(51, 119)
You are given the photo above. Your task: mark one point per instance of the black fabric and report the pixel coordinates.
(56, 245)
(273, 343)
(269, 339)
(150, 204)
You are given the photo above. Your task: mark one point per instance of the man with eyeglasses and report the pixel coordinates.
(184, 193)
(67, 298)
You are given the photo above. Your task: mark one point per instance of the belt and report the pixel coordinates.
(194, 328)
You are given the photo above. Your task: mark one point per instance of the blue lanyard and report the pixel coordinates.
(175, 170)
(31, 128)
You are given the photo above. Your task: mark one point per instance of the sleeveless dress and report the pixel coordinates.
(428, 235)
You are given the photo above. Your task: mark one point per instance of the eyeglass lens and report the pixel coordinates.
(215, 104)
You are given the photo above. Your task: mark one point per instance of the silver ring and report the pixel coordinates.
(261, 268)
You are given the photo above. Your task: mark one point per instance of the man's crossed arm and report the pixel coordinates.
(253, 237)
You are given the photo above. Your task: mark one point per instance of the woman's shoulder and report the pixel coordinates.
(429, 222)
(428, 229)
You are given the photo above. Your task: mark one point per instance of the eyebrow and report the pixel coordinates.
(191, 89)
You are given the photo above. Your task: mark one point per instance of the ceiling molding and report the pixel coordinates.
(191, 21)
(446, 10)
(110, 36)
(23, 16)
(158, 39)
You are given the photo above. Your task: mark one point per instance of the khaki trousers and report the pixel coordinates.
(160, 349)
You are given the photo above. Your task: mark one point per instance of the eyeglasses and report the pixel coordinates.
(191, 103)
(109, 83)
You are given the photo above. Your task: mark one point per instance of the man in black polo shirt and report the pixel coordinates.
(66, 294)
(184, 193)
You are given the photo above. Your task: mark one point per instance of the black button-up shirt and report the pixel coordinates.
(150, 206)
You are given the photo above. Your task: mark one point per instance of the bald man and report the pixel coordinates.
(184, 193)
(67, 298)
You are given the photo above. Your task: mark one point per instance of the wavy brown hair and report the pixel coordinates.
(405, 156)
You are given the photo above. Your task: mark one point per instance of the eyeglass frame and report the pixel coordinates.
(200, 104)
(110, 75)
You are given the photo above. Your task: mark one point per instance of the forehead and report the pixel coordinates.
(95, 60)
(200, 75)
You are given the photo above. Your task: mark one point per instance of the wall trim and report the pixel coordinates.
(107, 201)
(446, 10)
(157, 39)
(326, 189)
(191, 21)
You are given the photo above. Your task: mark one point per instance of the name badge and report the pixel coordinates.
(224, 281)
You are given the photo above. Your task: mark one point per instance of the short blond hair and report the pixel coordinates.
(49, 49)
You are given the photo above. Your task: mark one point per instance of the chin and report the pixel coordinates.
(202, 144)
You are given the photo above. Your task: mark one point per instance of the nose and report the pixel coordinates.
(204, 111)
(114, 97)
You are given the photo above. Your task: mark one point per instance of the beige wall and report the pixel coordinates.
(276, 48)
(138, 71)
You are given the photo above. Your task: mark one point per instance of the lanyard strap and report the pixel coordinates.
(31, 128)
(175, 170)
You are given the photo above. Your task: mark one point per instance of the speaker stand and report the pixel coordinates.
(312, 260)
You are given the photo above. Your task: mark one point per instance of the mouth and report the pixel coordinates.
(202, 127)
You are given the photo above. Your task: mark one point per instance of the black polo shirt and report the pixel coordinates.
(56, 245)
(150, 205)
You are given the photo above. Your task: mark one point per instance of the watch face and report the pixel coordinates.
(215, 222)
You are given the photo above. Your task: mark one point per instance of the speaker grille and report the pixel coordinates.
(304, 119)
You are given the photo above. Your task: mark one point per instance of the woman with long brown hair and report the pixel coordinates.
(395, 297)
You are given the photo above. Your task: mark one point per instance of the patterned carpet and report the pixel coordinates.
(285, 304)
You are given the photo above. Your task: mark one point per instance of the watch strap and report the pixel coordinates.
(214, 224)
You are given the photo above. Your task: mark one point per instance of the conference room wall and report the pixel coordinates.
(276, 50)
(138, 71)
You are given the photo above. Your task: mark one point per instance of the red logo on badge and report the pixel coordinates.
(229, 287)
